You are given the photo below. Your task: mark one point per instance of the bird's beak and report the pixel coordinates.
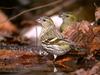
(39, 21)
(61, 14)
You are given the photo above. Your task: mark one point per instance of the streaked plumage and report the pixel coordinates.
(48, 29)
(51, 39)
(57, 47)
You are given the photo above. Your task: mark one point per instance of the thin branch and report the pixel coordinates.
(31, 9)
(59, 7)
(8, 7)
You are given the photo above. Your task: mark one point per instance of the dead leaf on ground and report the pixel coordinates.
(81, 33)
(6, 25)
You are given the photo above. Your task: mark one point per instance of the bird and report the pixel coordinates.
(68, 20)
(48, 28)
(56, 46)
(51, 40)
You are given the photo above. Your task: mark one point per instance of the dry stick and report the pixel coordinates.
(31, 9)
(8, 7)
(59, 7)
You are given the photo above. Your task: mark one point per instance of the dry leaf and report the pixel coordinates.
(6, 25)
(81, 33)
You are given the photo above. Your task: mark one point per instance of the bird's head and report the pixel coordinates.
(45, 21)
(68, 16)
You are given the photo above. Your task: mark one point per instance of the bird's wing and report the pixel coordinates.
(54, 49)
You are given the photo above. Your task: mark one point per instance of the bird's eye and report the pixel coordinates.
(44, 20)
(67, 16)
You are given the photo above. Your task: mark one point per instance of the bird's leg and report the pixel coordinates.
(55, 69)
(55, 56)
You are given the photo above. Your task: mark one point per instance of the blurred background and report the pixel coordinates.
(83, 8)
(19, 16)
(23, 20)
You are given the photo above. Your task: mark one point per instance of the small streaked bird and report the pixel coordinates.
(68, 19)
(51, 39)
(48, 28)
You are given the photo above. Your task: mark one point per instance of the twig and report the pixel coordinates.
(31, 9)
(59, 7)
(8, 7)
